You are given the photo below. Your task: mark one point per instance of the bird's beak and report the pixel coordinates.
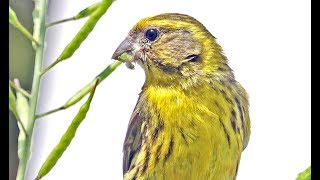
(129, 51)
(125, 47)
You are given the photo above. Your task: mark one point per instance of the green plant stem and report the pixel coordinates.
(22, 91)
(49, 67)
(12, 105)
(85, 90)
(39, 32)
(61, 21)
(50, 112)
(25, 32)
(21, 169)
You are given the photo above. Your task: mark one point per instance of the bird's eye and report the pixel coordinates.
(151, 34)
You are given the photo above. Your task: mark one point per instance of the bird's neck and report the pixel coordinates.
(174, 104)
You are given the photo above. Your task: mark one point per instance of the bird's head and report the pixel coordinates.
(173, 48)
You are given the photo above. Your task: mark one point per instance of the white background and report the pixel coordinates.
(268, 47)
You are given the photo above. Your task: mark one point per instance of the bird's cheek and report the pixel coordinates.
(139, 54)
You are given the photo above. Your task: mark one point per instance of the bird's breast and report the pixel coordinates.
(182, 135)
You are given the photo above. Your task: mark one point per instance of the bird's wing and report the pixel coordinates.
(244, 106)
(133, 138)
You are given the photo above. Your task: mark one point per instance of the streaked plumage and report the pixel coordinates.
(191, 120)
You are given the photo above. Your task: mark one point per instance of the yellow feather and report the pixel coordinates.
(192, 119)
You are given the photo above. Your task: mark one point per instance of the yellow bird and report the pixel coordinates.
(191, 120)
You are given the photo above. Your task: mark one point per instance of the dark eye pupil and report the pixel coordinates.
(151, 34)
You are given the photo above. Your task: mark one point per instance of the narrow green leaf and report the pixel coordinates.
(22, 108)
(66, 139)
(12, 107)
(13, 17)
(87, 11)
(305, 175)
(13, 20)
(82, 34)
(24, 92)
(82, 14)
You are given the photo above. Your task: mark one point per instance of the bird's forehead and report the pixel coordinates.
(166, 21)
(150, 23)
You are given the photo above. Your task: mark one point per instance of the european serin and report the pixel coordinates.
(191, 120)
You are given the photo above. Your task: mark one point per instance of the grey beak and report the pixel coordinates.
(125, 47)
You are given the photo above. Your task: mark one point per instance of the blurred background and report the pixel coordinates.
(268, 47)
